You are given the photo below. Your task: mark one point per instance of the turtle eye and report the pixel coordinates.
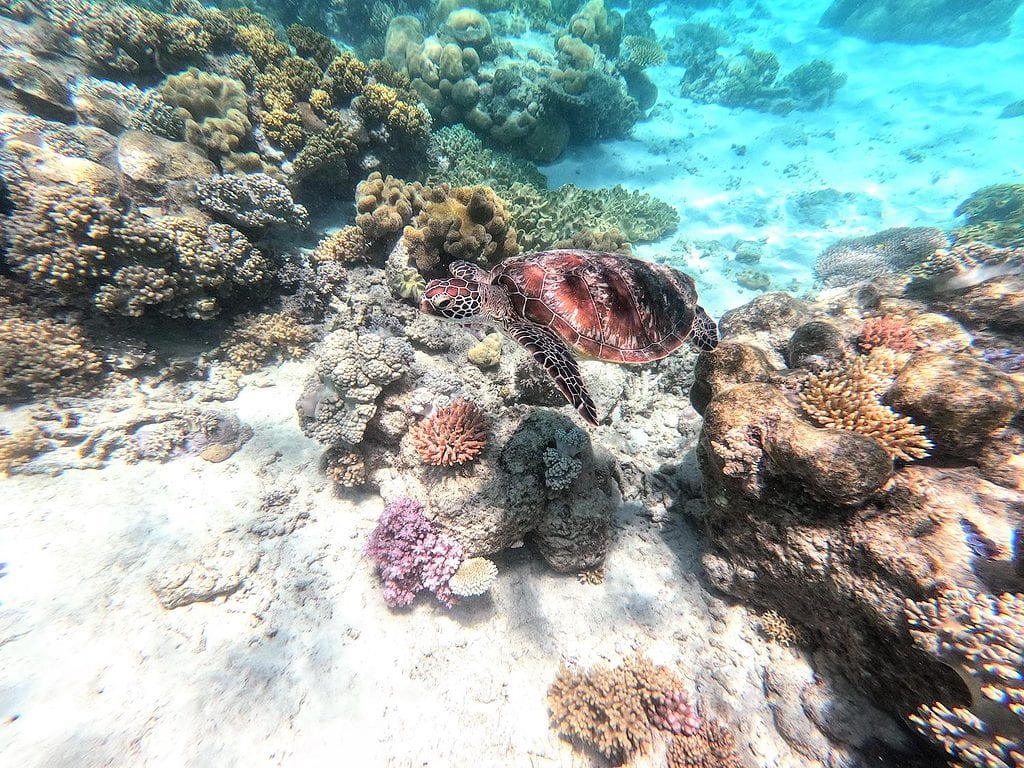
(441, 299)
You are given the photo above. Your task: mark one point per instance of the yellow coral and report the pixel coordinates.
(346, 245)
(21, 447)
(474, 577)
(259, 41)
(254, 339)
(848, 398)
(346, 77)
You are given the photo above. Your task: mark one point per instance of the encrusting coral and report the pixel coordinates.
(981, 636)
(412, 554)
(616, 710)
(474, 577)
(848, 398)
(455, 434)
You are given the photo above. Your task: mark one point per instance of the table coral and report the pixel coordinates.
(981, 636)
(412, 554)
(454, 435)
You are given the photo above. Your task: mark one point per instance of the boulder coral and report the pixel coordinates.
(213, 107)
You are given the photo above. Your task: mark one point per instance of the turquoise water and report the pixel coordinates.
(720, 463)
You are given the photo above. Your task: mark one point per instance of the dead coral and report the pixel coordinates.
(454, 435)
(255, 339)
(848, 398)
(19, 448)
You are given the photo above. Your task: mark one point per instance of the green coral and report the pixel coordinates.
(995, 214)
(213, 107)
(312, 44)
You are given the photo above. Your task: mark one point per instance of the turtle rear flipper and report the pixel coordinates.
(704, 331)
(548, 350)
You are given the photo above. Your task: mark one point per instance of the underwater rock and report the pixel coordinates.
(816, 344)
(959, 399)
(768, 322)
(996, 303)
(158, 171)
(217, 573)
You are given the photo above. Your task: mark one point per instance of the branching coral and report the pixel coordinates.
(848, 398)
(346, 468)
(20, 448)
(615, 710)
(346, 245)
(43, 356)
(252, 201)
(254, 339)
(889, 332)
(981, 636)
(712, 746)
(312, 44)
(455, 434)
(412, 554)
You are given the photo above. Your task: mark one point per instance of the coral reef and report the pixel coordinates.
(346, 245)
(351, 369)
(254, 339)
(889, 332)
(893, 250)
(994, 214)
(214, 109)
(456, 434)
(922, 21)
(712, 746)
(980, 637)
(413, 555)
(615, 710)
(253, 201)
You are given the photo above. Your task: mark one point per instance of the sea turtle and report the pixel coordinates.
(601, 305)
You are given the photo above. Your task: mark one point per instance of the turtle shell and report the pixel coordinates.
(603, 305)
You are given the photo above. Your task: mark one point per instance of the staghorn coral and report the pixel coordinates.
(474, 577)
(340, 397)
(412, 554)
(213, 107)
(712, 746)
(346, 77)
(254, 339)
(889, 332)
(294, 75)
(615, 710)
(346, 245)
(259, 41)
(252, 201)
(981, 636)
(848, 398)
(454, 435)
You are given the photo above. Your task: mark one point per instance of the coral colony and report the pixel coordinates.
(208, 208)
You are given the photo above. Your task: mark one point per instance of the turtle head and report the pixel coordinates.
(452, 299)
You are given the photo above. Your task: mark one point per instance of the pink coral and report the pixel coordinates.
(455, 434)
(673, 712)
(412, 554)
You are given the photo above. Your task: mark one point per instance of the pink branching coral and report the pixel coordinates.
(412, 554)
(455, 434)
(887, 331)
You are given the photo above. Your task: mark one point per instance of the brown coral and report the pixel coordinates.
(887, 331)
(455, 434)
(254, 339)
(848, 398)
(467, 223)
(616, 710)
(21, 447)
(385, 205)
(346, 245)
(45, 356)
(346, 468)
(710, 747)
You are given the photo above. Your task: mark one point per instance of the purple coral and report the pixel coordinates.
(412, 554)
(673, 712)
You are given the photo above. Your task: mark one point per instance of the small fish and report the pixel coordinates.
(980, 544)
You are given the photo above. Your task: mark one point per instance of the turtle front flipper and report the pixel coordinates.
(548, 350)
(704, 331)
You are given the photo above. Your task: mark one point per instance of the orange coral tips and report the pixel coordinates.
(453, 435)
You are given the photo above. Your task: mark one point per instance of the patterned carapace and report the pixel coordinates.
(602, 305)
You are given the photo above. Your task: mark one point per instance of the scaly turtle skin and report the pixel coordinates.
(601, 305)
